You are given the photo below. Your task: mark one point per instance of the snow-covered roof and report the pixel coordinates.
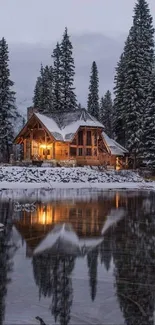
(114, 147)
(51, 125)
(64, 126)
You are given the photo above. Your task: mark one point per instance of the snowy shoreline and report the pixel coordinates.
(70, 178)
(70, 185)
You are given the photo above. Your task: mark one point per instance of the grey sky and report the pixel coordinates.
(36, 21)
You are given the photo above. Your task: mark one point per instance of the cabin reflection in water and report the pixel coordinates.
(87, 218)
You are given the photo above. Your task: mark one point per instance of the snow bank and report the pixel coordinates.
(79, 177)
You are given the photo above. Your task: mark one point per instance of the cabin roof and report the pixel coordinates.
(114, 147)
(63, 126)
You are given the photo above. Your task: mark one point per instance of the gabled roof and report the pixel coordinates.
(51, 125)
(64, 126)
(114, 147)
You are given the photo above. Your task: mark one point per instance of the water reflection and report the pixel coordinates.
(134, 259)
(114, 234)
(87, 218)
(7, 250)
(52, 275)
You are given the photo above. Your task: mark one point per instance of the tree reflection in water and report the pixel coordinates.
(7, 250)
(130, 245)
(53, 276)
(134, 259)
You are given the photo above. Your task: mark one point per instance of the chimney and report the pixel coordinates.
(30, 111)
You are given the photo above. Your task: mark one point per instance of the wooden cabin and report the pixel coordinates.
(72, 136)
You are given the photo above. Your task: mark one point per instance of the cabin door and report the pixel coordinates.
(46, 153)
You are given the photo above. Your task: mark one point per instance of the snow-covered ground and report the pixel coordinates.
(80, 177)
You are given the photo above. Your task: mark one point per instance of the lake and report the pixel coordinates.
(77, 257)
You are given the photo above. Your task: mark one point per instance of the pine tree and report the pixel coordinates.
(8, 110)
(106, 113)
(43, 93)
(137, 69)
(119, 112)
(93, 96)
(67, 74)
(37, 93)
(57, 81)
(149, 126)
(79, 106)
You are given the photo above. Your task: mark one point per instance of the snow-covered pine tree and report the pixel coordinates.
(67, 74)
(149, 126)
(118, 107)
(79, 106)
(8, 110)
(57, 81)
(138, 61)
(93, 96)
(43, 92)
(37, 93)
(106, 112)
(47, 100)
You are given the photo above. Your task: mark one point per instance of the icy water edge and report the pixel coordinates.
(80, 257)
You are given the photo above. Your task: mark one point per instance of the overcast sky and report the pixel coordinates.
(36, 21)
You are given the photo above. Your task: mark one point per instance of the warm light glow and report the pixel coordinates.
(45, 215)
(117, 164)
(44, 146)
(117, 200)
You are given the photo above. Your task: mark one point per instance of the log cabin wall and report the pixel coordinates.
(84, 147)
(61, 151)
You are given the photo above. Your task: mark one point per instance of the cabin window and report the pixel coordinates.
(88, 152)
(72, 212)
(72, 151)
(88, 213)
(80, 138)
(88, 138)
(79, 212)
(80, 151)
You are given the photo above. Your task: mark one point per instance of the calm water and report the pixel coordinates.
(86, 259)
